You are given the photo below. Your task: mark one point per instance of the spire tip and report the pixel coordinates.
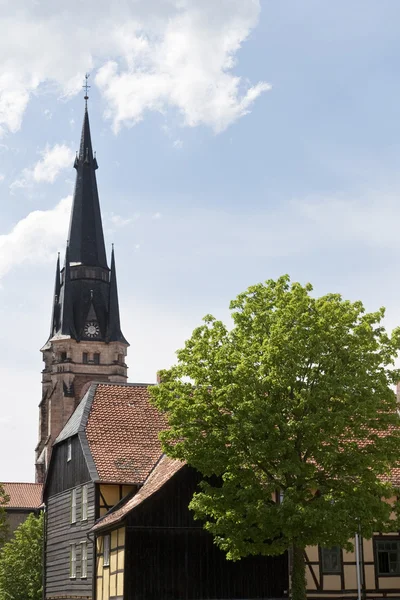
(86, 87)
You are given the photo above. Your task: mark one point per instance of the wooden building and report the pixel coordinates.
(152, 548)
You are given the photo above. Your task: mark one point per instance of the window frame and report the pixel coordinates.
(330, 570)
(84, 560)
(72, 561)
(73, 516)
(96, 358)
(377, 552)
(106, 550)
(85, 358)
(84, 502)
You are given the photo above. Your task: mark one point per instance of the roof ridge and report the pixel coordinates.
(124, 384)
(20, 483)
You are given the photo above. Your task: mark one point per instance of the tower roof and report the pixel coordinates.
(86, 240)
(85, 305)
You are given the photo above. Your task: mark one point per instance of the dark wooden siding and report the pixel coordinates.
(60, 535)
(170, 556)
(65, 474)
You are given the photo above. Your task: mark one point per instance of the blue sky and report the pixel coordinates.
(236, 141)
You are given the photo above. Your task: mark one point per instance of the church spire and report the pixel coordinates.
(55, 317)
(114, 333)
(67, 318)
(86, 240)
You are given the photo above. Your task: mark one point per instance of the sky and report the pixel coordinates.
(237, 140)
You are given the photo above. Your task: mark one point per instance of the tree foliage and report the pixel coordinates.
(4, 499)
(21, 562)
(296, 397)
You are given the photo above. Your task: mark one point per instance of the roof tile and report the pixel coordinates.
(23, 495)
(122, 432)
(162, 472)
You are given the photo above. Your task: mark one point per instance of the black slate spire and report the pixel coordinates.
(86, 240)
(67, 326)
(114, 333)
(86, 296)
(55, 317)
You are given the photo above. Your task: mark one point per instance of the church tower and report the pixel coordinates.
(86, 342)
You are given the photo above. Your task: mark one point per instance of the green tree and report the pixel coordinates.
(4, 499)
(21, 562)
(296, 397)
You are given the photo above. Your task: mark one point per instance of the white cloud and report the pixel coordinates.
(146, 55)
(119, 221)
(35, 238)
(54, 160)
(178, 144)
(156, 215)
(2, 177)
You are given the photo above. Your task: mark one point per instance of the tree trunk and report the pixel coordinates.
(299, 590)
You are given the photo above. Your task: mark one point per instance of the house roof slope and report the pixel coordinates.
(122, 432)
(78, 419)
(164, 470)
(23, 495)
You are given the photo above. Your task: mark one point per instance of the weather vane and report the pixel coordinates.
(86, 87)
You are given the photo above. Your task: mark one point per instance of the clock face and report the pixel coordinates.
(92, 329)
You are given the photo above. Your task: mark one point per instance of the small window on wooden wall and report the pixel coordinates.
(69, 450)
(72, 561)
(83, 560)
(73, 506)
(84, 502)
(388, 557)
(331, 559)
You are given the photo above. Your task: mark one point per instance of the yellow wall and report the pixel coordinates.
(110, 494)
(330, 586)
(110, 579)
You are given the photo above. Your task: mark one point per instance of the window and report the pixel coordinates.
(73, 506)
(120, 358)
(69, 450)
(106, 562)
(96, 358)
(83, 560)
(85, 357)
(84, 503)
(331, 560)
(388, 557)
(63, 356)
(72, 561)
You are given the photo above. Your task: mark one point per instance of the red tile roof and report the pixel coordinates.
(23, 495)
(122, 432)
(162, 472)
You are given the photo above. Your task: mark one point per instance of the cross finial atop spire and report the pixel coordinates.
(86, 87)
